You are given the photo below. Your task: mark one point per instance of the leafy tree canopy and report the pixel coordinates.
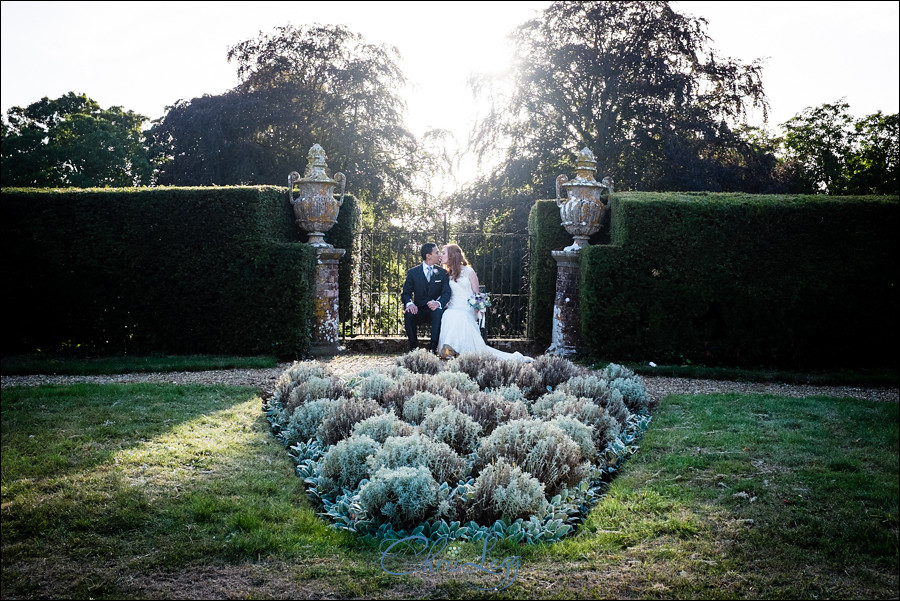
(637, 83)
(72, 142)
(827, 151)
(298, 86)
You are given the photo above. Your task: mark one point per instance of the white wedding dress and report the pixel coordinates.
(459, 330)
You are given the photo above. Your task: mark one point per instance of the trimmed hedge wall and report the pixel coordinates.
(167, 270)
(795, 282)
(343, 235)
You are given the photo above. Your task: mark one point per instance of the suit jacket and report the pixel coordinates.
(418, 290)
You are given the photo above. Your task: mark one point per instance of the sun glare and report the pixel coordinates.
(462, 44)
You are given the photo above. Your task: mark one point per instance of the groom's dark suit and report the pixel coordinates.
(418, 290)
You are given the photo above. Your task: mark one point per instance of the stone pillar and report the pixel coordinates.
(566, 308)
(325, 312)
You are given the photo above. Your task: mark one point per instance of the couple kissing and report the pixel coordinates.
(437, 292)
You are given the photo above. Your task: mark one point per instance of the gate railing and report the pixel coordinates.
(383, 258)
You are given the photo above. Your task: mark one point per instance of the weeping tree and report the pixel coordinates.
(637, 83)
(298, 86)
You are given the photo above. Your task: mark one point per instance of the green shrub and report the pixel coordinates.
(315, 387)
(418, 405)
(581, 433)
(420, 450)
(420, 361)
(297, 373)
(305, 420)
(407, 385)
(555, 370)
(214, 270)
(346, 464)
(374, 386)
(450, 425)
(547, 234)
(403, 496)
(540, 448)
(744, 280)
(598, 390)
(504, 491)
(381, 427)
(342, 416)
(488, 409)
(445, 382)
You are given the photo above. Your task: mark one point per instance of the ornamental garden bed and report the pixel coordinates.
(464, 449)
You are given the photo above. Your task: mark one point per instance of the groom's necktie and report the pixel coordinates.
(428, 273)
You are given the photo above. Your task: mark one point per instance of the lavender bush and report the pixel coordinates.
(466, 448)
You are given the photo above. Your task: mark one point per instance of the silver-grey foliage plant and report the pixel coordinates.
(464, 449)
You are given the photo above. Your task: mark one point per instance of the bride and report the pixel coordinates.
(459, 329)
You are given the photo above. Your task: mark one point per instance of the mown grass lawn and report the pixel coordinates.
(156, 491)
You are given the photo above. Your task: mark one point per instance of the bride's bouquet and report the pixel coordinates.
(480, 302)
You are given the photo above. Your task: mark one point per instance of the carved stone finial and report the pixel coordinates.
(585, 159)
(316, 165)
(316, 155)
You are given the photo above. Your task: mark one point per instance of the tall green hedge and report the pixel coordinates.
(547, 234)
(171, 270)
(344, 235)
(783, 281)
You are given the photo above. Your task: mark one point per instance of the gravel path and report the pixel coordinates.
(346, 365)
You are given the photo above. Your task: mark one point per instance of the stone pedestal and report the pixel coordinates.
(566, 308)
(326, 336)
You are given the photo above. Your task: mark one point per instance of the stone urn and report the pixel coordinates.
(315, 205)
(586, 200)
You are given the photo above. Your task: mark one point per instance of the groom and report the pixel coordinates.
(426, 293)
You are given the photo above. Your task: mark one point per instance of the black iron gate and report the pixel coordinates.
(381, 260)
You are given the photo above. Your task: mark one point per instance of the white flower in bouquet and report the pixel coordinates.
(480, 301)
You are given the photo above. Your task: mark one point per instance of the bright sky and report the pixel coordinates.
(147, 55)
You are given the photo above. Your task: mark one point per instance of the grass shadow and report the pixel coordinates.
(170, 474)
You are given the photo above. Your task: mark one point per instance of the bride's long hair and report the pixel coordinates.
(455, 261)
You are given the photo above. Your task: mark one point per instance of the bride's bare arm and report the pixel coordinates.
(473, 279)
